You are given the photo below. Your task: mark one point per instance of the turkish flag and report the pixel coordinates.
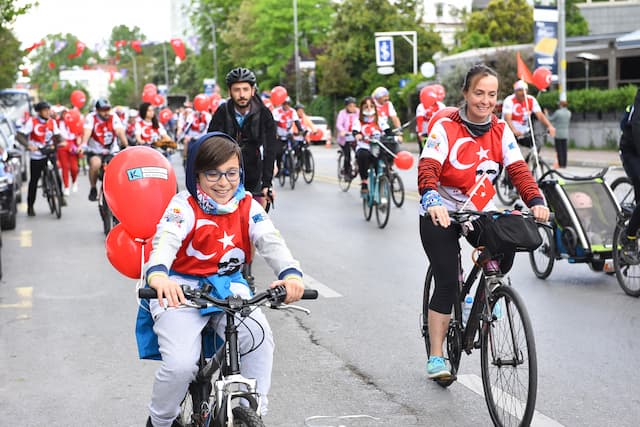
(523, 71)
(178, 48)
(136, 45)
(482, 192)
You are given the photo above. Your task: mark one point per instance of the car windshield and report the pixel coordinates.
(318, 121)
(14, 104)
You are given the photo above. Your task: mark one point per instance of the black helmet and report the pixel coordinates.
(42, 105)
(240, 75)
(298, 106)
(103, 104)
(287, 100)
(349, 100)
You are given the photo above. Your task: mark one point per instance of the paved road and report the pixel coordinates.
(68, 354)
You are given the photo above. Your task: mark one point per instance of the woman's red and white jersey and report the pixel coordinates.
(40, 133)
(149, 134)
(520, 111)
(103, 132)
(465, 158)
(367, 130)
(385, 111)
(284, 120)
(66, 133)
(423, 115)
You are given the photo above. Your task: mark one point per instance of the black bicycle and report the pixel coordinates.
(505, 190)
(51, 185)
(287, 164)
(304, 161)
(627, 269)
(499, 325)
(346, 175)
(108, 218)
(231, 400)
(622, 187)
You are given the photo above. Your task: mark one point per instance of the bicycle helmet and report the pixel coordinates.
(103, 104)
(287, 100)
(581, 200)
(379, 92)
(298, 106)
(349, 100)
(240, 75)
(42, 105)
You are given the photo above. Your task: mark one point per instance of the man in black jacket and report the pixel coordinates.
(250, 122)
(630, 155)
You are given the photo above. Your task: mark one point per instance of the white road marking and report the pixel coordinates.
(322, 289)
(474, 383)
(25, 295)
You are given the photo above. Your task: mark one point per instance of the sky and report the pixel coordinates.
(91, 21)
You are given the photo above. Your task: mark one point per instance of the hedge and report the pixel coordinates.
(591, 100)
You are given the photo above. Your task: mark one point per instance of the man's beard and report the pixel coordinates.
(242, 103)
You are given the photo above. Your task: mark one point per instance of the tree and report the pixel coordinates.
(10, 54)
(575, 24)
(503, 22)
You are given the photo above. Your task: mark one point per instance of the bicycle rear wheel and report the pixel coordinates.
(383, 205)
(108, 220)
(281, 171)
(344, 180)
(454, 342)
(544, 256)
(293, 175)
(397, 190)
(308, 166)
(54, 193)
(505, 190)
(246, 417)
(627, 274)
(623, 190)
(508, 360)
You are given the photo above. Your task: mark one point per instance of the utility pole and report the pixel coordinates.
(562, 53)
(214, 46)
(296, 50)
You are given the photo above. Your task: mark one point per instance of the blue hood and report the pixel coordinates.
(190, 176)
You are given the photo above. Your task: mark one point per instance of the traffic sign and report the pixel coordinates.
(384, 51)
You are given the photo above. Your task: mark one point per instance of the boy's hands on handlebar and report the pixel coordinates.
(294, 287)
(169, 289)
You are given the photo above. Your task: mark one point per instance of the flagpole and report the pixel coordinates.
(166, 68)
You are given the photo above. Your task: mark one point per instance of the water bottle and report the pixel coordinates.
(466, 309)
(497, 310)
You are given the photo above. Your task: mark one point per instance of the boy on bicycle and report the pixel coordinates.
(205, 237)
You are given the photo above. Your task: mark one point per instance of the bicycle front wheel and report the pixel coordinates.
(281, 171)
(544, 256)
(623, 190)
(397, 190)
(246, 417)
(55, 194)
(383, 205)
(344, 180)
(627, 274)
(508, 358)
(293, 175)
(308, 166)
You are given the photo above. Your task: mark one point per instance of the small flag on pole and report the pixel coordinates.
(481, 193)
(523, 71)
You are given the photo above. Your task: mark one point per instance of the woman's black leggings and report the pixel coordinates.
(364, 159)
(442, 248)
(37, 167)
(631, 165)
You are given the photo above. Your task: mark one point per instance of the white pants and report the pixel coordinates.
(178, 331)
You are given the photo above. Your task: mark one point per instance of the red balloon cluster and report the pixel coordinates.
(201, 102)
(542, 78)
(78, 98)
(138, 185)
(278, 95)
(73, 119)
(431, 94)
(150, 94)
(403, 160)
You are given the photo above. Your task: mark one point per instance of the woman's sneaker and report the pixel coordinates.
(437, 368)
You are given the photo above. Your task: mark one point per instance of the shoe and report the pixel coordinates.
(437, 368)
(364, 188)
(74, 187)
(66, 191)
(30, 211)
(93, 194)
(630, 250)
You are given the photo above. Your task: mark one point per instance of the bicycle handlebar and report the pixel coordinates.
(204, 300)
(464, 215)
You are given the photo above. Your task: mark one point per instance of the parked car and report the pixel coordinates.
(323, 133)
(8, 202)
(17, 154)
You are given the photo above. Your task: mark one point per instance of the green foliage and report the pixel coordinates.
(591, 100)
(323, 106)
(575, 24)
(122, 92)
(9, 11)
(10, 57)
(472, 40)
(61, 94)
(502, 22)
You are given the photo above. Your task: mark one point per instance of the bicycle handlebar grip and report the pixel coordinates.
(147, 293)
(310, 294)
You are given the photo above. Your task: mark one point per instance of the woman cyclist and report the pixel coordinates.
(148, 128)
(460, 148)
(364, 128)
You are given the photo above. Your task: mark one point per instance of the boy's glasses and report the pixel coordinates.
(232, 175)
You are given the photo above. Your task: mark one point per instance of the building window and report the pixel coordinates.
(439, 10)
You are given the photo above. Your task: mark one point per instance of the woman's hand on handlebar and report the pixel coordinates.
(169, 289)
(540, 213)
(439, 215)
(294, 287)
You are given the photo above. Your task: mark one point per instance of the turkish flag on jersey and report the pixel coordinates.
(482, 192)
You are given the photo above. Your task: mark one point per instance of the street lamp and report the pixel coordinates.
(587, 58)
(215, 46)
(135, 69)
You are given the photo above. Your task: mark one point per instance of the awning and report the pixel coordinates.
(629, 41)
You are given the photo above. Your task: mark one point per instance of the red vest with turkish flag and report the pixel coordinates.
(216, 243)
(521, 109)
(467, 153)
(42, 131)
(148, 133)
(103, 130)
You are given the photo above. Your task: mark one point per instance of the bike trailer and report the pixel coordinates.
(585, 212)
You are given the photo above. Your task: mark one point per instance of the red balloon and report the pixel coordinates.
(150, 87)
(213, 104)
(165, 115)
(148, 96)
(138, 184)
(72, 116)
(446, 111)
(403, 160)
(215, 96)
(78, 98)
(125, 252)
(439, 91)
(428, 96)
(201, 102)
(158, 100)
(278, 95)
(542, 77)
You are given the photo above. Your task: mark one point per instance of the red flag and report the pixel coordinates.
(120, 43)
(178, 48)
(523, 70)
(52, 65)
(136, 45)
(482, 192)
(35, 45)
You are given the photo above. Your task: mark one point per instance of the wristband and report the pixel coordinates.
(431, 198)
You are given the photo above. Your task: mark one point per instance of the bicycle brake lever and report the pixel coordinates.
(283, 306)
